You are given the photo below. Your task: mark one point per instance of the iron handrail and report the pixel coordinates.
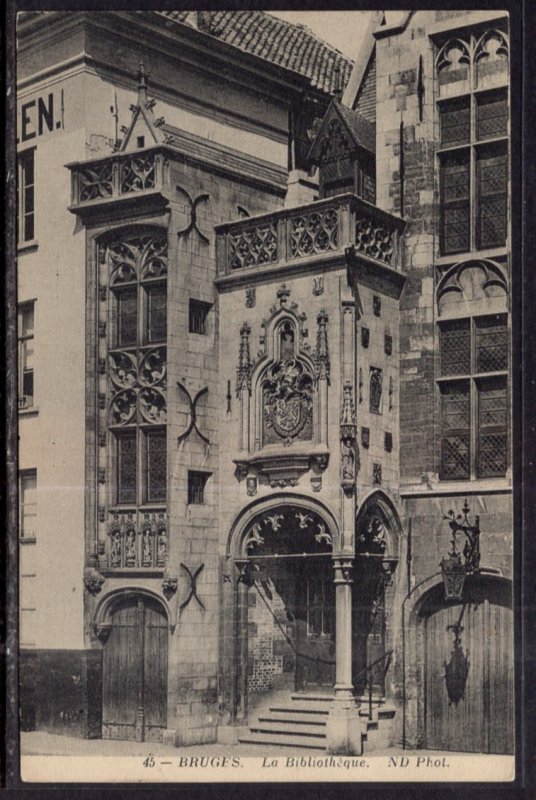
(288, 640)
(368, 671)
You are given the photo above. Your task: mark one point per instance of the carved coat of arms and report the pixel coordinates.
(287, 402)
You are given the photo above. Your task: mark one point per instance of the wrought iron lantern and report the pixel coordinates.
(458, 565)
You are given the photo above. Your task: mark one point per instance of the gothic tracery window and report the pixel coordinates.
(472, 75)
(136, 407)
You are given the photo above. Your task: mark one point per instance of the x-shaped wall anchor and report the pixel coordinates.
(193, 413)
(193, 576)
(192, 224)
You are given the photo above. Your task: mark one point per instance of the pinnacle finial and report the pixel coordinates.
(337, 92)
(142, 83)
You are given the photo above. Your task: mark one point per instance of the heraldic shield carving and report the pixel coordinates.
(287, 403)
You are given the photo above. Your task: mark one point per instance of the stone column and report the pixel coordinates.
(343, 727)
(241, 658)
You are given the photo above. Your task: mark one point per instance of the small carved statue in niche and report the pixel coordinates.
(347, 459)
(286, 341)
(376, 380)
(115, 548)
(130, 548)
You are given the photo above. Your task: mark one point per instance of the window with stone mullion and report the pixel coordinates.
(138, 338)
(473, 166)
(473, 401)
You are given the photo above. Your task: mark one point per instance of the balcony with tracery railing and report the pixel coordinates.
(321, 229)
(117, 176)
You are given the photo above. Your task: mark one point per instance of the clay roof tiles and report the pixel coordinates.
(284, 44)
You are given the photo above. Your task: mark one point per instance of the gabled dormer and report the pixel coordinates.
(344, 152)
(144, 130)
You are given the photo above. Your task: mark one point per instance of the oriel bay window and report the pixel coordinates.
(135, 405)
(474, 397)
(473, 154)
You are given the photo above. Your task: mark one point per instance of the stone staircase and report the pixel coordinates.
(299, 720)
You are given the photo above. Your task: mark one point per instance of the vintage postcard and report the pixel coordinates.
(265, 522)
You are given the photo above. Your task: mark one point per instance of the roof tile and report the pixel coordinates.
(285, 44)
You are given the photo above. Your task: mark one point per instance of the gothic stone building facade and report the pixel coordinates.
(263, 354)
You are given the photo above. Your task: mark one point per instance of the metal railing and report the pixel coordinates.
(386, 657)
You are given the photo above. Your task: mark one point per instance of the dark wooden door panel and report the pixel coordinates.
(155, 672)
(472, 710)
(135, 672)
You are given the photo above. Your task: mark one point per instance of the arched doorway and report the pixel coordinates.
(135, 669)
(468, 653)
(285, 601)
(377, 540)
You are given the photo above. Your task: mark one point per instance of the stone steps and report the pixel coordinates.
(299, 720)
(284, 740)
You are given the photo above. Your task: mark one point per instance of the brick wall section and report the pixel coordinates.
(398, 59)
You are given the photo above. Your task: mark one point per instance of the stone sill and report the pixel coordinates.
(492, 486)
(27, 247)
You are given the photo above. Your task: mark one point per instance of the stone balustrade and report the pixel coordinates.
(323, 228)
(117, 175)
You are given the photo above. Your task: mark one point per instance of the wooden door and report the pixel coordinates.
(469, 671)
(315, 626)
(135, 672)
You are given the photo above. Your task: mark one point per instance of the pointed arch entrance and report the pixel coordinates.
(134, 630)
(285, 599)
(377, 550)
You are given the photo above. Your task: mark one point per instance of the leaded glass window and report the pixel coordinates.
(474, 440)
(492, 433)
(492, 186)
(126, 468)
(155, 466)
(472, 73)
(455, 347)
(133, 396)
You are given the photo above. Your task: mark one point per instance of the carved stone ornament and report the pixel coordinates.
(251, 486)
(376, 388)
(371, 539)
(102, 631)
(251, 297)
(377, 305)
(322, 353)
(287, 529)
(316, 483)
(169, 585)
(318, 285)
(93, 580)
(377, 474)
(287, 402)
(348, 465)
(282, 469)
(243, 371)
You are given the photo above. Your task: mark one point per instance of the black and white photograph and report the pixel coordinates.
(264, 396)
